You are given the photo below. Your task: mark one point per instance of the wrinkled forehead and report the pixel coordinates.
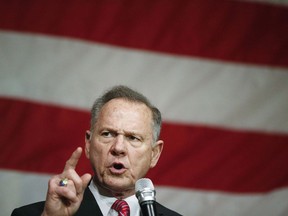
(125, 109)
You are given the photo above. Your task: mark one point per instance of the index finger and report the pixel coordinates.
(72, 162)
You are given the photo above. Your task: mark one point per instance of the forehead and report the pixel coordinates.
(129, 112)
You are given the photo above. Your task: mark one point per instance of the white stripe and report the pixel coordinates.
(19, 189)
(73, 73)
(276, 2)
(201, 203)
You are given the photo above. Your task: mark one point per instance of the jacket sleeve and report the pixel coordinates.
(34, 209)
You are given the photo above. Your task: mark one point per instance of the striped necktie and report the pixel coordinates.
(122, 207)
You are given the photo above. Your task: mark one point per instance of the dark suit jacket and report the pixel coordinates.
(88, 207)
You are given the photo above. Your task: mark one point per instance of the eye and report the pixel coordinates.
(134, 138)
(107, 134)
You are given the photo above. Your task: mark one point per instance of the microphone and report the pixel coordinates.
(145, 194)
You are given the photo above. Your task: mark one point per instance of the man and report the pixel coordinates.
(122, 145)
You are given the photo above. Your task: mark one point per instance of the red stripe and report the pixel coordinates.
(40, 138)
(226, 30)
(219, 159)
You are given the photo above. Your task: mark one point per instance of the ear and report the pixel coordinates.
(156, 152)
(87, 143)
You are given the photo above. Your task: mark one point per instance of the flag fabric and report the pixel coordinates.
(217, 70)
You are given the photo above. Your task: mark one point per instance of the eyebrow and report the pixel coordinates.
(125, 133)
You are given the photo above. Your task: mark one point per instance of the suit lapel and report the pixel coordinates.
(89, 206)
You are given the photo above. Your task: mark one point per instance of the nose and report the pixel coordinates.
(119, 147)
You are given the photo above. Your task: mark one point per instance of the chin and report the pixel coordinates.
(119, 184)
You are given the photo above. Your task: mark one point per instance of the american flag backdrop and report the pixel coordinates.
(218, 71)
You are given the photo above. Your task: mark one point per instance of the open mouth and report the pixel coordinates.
(118, 166)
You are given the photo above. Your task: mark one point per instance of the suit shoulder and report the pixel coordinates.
(162, 210)
(34, 209)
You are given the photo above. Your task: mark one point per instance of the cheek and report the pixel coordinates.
(97, 154)
(140, 161)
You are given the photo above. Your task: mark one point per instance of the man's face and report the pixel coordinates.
(120, 148)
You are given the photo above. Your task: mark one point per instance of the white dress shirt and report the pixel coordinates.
(105, 203)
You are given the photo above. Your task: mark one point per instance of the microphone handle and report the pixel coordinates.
(148, 208)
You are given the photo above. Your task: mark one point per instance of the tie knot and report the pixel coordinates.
(122, 207)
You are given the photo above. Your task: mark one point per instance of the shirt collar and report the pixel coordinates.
(105, 202)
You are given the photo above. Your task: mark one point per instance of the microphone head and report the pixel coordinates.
(145, 190)
(143, 183)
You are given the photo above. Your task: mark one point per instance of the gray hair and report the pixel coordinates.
(130, 95)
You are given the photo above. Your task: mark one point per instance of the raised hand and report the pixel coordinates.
(66, 199)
